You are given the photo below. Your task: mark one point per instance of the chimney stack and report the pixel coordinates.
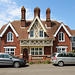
(37, 12)
(48, 21)
(23, 20)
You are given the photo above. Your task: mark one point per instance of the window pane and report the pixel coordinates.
(6, 56)
(40, 53)
(73, 38)
(59, 50)
(36, 53)
(8, 36)
(36, 49)
(8, 50)
(41, 33)
(1, 56)
(11, 36)
(62, 36)
(12, 53)
(31, 33)
(12, 49)
(63, 49)
(32, 49)
(59, 36)
(32, 53)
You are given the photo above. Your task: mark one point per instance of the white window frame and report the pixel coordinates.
(38, 50)
(42, 33)
(10, 37)
(61, 37)
(10, 50)
(61, 47)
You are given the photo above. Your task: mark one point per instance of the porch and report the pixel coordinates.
(33, 50)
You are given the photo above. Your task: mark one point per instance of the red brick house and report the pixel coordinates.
(36, 39)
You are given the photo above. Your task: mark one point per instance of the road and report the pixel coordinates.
(38, 69)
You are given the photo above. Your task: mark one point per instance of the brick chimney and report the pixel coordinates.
(37, 12)
(23, 20)
(48, 21)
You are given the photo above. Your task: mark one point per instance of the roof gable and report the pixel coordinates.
(36, 18)
(9, 24)
(62, 25)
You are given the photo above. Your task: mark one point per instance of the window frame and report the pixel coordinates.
(41, 34)
(61, 50)
(60, 33)
(9, 50)
(9, 37)
(73, 38)
(30, 34)
(38, 50)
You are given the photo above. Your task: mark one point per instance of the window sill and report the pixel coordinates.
(9, 41)
(61, 41)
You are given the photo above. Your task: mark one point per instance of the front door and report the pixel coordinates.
(25, 54)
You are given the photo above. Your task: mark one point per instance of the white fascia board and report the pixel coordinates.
(39, 22)
(9, 47)
(61, 46)
(62, 25)
(9, 24)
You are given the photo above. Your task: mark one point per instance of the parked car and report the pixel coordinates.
(63, 58)
(6, 59)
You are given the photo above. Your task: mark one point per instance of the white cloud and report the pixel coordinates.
(11, 11)
(5, 1)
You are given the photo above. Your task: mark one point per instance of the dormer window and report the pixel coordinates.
(41, 33)
(31, 33)
(10, 37)
(61, 37)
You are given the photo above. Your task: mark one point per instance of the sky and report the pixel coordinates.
(61, 10)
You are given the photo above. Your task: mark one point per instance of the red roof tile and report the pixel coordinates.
(23, 34)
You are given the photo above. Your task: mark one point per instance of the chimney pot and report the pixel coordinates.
(37, 12)
(48, 21)
(23, 20)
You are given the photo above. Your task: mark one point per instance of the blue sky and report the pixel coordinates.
(61, 10)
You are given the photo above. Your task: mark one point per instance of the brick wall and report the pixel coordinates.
(66, 43)
(15, 43)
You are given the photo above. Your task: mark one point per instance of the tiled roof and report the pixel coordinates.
(23, 34)
(73, 32)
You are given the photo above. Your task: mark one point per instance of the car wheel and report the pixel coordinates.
(60, 63)
(16, 64)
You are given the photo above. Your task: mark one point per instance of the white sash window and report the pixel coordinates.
(10, 37)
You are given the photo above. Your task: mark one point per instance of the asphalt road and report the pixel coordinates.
(38, 69)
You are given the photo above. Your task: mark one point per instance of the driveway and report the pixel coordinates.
(38, 69)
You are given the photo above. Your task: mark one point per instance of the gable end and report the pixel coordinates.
(9, 24)
(62, 25)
